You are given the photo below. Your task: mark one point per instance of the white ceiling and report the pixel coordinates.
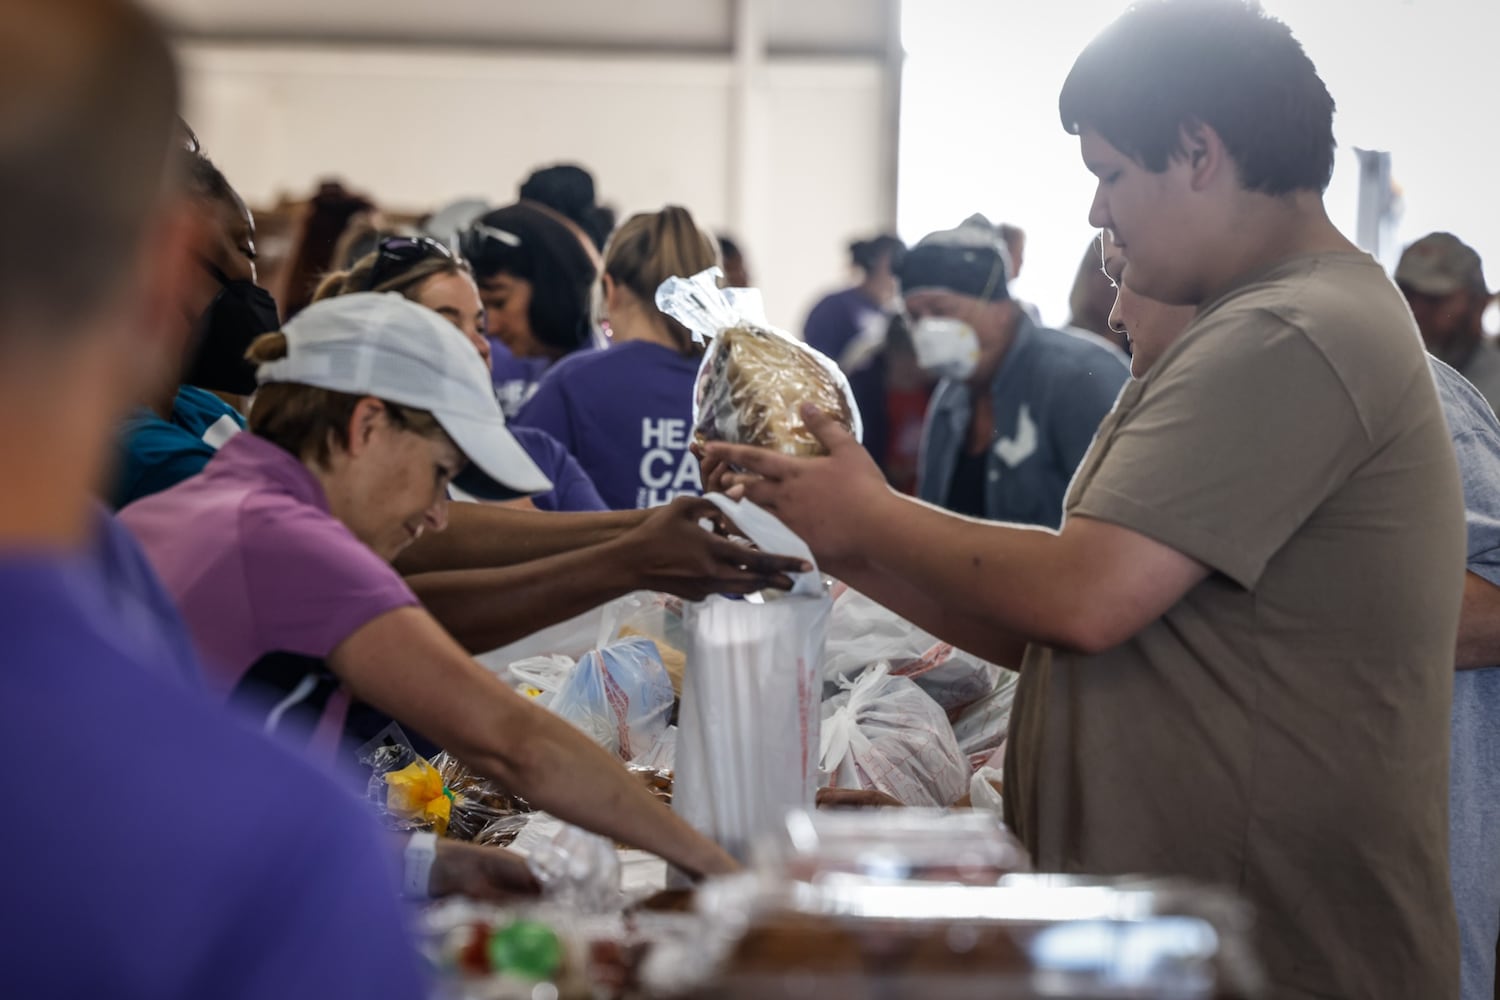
(793, 26)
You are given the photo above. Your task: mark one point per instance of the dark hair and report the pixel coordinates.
(1169, 64)
(328, 215)
(88, 106)
(568, 189)
(865, 254)
(545, 252)
(728, 247)
(652, 247)
(202, 179)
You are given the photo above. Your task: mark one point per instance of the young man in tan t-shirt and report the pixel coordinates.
(1236, 655)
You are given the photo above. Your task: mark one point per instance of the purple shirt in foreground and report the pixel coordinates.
(158, 849)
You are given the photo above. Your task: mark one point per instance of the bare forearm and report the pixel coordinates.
(487, 608)
(973, 635)
(1479, 624)
(969, 582)
(482, 536)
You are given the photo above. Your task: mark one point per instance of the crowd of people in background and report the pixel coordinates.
(1246, 473)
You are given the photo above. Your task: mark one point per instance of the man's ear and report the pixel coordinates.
(368, 417)
(1204, 153)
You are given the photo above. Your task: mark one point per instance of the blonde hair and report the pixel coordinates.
(654, 246)
(304, 420)
(405, 283)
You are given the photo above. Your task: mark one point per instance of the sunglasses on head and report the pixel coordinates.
(480, 236)
(395, 254)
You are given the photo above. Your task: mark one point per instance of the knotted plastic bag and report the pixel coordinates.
(621, 696)
(754, 378)
(883, 732)
(862, 632)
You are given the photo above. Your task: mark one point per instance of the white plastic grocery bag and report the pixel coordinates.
(884, 732)
(747, 746)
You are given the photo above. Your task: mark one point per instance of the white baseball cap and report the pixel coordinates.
(386, 346)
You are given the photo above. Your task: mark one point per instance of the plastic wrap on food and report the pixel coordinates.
(440, 795)
(1028, 936)
(883, 732)
(754, 378)
(862, 632)
(621, 696)
(575, 868)
(963, 846)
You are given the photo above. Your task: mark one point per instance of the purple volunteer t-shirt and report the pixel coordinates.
(515, 379)
(572, 489)
(626, 414)
(258, 565)
(165, 851)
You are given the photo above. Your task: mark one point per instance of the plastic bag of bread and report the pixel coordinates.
(754, 378)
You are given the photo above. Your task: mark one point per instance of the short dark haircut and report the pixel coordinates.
(88, 108)
(203, 179)
(865, 254)
(1169, 64)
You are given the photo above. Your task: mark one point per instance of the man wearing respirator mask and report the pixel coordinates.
(1018, 403)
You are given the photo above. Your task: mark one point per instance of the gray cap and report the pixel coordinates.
(1440, 264)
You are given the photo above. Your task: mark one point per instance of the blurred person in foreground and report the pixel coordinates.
(1237, 652)
(1443, 281)
(195, 888)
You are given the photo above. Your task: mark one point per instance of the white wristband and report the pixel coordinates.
(421, 850)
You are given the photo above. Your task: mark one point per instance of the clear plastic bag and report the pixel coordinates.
(981, 727)
(754, 378)
(883, 732)
(575, 868)
(862, 632)
(539, 678)
(748, 739)
(621, 696)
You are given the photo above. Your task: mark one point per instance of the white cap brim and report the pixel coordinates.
(493, 451)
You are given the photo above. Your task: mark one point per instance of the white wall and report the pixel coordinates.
(772, 119)
(980, 129)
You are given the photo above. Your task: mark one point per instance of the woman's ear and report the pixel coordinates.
(368, 417)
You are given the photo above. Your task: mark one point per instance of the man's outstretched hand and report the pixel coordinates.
(826, 501)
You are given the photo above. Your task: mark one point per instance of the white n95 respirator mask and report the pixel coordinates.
(946, 347)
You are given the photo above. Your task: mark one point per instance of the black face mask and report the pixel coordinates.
(240, 312)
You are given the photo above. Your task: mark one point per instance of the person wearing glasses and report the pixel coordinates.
(536, 274)
(279, 556)
(626, 412)
(427, 272)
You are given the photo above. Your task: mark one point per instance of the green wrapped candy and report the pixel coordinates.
(526, 949)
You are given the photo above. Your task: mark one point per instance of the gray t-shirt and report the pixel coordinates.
(1282, 729)
(1483, 370)
(1474, 780)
